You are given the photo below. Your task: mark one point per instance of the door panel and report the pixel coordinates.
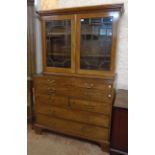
(59, 43)
(95, 52)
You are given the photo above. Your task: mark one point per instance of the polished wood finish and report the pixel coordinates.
(30, 39)
(75, 18)
(94, 132)
(76, 10)
(77, 101)
(30, 57)
(74, 115)
(59, 99)
(119, 132)
(112, 66)
(56, 69)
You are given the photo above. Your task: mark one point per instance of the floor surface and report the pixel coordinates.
(53, 144)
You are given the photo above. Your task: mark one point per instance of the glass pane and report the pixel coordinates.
(96, 41)
(58, 43)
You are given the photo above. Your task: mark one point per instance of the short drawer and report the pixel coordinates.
(74, 115)
(46, 89)
(91, 132)
(58, 81)
(52, 100)
(91, 83)
(86, 105)
(48, 79)
(91, 94)
(50, 85)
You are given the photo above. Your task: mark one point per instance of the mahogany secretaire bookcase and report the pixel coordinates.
(75, 92)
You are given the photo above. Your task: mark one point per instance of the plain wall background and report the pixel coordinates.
(122, 44)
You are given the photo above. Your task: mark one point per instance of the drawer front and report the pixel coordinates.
(51, 85)
(52, 100)
(90, 83)
(74, 115)
(104, 108)
(91, 94)
(91, 132)
(86, 88)
(50, 90)
(50, 80)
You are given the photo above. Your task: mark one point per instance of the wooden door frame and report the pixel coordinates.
(57, 69)
(115, 15)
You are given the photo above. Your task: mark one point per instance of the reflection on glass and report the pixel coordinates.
(96, 41)
(58, 43)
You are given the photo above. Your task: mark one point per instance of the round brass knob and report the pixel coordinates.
(109, 95)
(109, 86)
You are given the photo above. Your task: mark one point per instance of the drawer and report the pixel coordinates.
(90, 83)
(51, 85)
(52, 81)
(85, 105)
(63, 81)
(50, 90)
(83, 130)
(91, 94)
(74, 115)
(52, 100)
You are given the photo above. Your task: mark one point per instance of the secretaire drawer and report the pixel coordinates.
(74, 115)
(50, 85)
(85, 105)
(50, 90)
(49, 80)
(70, 127)
(52, 81)
(52, 100)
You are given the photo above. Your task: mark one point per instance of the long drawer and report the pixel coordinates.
(93, 132)
(89, 83)
(74, 115)
(76, 92)
(73, 103)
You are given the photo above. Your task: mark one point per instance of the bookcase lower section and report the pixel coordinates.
(75, 106)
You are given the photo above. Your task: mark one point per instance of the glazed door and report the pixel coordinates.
(96, 43)
(58, 44)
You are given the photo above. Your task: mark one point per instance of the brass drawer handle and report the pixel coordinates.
(89, 86)
(51, 81)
